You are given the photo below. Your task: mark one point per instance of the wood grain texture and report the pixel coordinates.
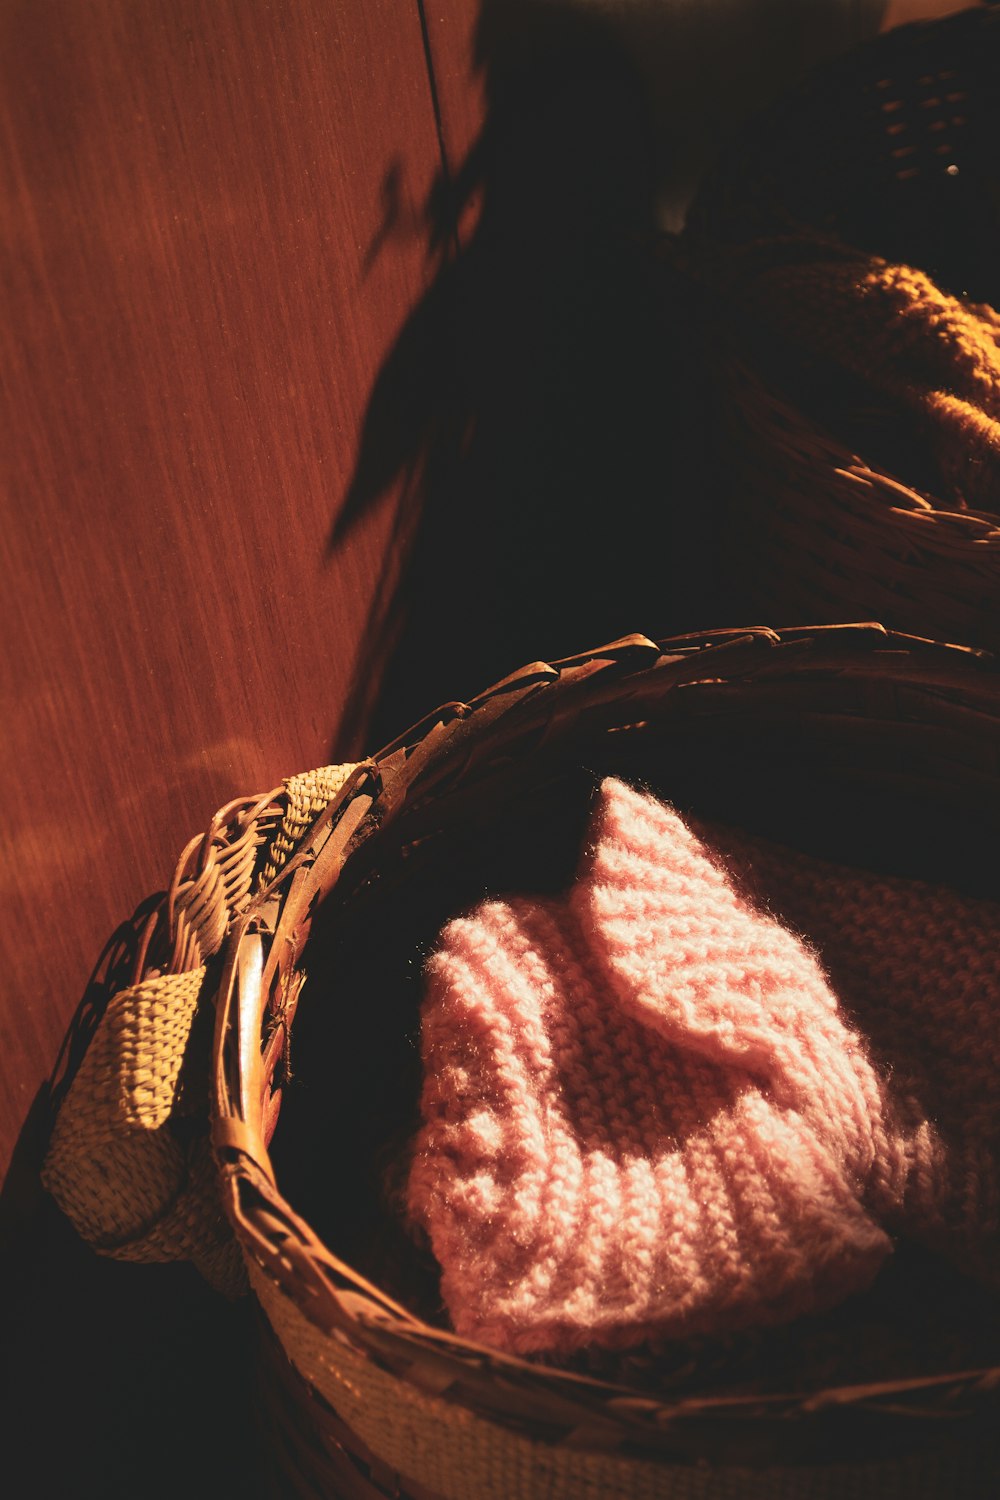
(210, 235)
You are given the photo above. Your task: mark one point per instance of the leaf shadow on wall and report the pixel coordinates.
(540, 405)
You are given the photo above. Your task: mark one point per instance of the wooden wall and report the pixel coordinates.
(211, 232)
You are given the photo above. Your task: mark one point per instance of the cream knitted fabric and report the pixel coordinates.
(643, 1113)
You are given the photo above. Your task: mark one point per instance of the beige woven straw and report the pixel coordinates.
(134, 1186)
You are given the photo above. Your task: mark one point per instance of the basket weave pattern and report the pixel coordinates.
(135, 1185)
(823, 534)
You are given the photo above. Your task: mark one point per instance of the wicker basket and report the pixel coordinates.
(829, 737)
(814, 531)
(844, 466)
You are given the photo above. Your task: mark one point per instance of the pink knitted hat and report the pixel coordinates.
(643, 1113)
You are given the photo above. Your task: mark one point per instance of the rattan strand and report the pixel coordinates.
(816, 530)
(426, 1443)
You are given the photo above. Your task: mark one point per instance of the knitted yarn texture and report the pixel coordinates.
(915, 346)
(918, 968)
(643, 1112)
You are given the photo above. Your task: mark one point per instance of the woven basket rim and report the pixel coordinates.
(970, 532)
(261, 955)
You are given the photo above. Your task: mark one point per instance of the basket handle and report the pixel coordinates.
(259, 978)
(129, 1160)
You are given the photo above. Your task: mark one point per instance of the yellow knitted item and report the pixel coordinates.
(929, 353)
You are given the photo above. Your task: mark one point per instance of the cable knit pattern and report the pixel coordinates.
(644, 1113)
